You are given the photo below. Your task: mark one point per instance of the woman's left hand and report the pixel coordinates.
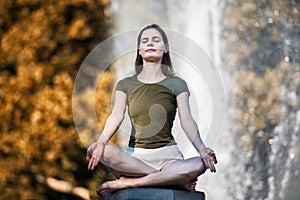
(94, 154)
(209, 158)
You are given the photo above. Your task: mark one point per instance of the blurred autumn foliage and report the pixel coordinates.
(262, 51)
(42, 46)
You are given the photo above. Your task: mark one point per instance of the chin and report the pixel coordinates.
(152, 59)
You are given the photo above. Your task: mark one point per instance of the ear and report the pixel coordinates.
(166, 48)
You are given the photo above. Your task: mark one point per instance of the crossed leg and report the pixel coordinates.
(132, 172)
(123, 164)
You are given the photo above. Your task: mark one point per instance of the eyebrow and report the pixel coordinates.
(152, 37)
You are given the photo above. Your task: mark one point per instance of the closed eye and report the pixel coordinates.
(144, 40)
(156, 39)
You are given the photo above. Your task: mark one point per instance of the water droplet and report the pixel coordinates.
(287, 59)
(270, 20)
(295, 10)
(292, 155)
(276, 13)
(256, 24)
(271, 141)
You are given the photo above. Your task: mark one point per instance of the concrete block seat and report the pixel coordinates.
(154, 194)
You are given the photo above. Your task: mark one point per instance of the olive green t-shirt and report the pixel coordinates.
(152, 109)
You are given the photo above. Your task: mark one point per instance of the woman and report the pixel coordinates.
(152, 95)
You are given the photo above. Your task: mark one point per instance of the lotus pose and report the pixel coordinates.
(153, 96)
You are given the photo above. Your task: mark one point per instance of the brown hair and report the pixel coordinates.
(166, 64)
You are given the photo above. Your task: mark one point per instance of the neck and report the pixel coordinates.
(151, 72)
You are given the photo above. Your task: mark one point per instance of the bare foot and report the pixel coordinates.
(190, 186)
(123, 182)
(110, 186)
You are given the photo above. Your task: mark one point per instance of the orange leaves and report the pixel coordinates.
(261, 99)
(42, 46)
(94, 102)
(78, 30)
(104, 97)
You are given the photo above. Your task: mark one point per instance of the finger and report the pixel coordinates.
(205, 163)
(88, 156)
(212, 155)
(214, 159)
(95, 162)
(212, 167)
(209, 164)
(90, 164)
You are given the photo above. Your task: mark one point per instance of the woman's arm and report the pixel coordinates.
(190, 128)
(95, 150)
(115, 118)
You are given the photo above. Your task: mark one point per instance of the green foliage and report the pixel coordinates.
(42, 46)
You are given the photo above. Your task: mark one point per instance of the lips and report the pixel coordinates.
(150, 50)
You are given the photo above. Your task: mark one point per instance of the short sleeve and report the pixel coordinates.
(121, 86)
(181, 87)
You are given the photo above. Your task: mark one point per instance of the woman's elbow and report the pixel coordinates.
(117, 117)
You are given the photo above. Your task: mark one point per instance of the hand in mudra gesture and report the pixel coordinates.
(94, 154)
(209, 158)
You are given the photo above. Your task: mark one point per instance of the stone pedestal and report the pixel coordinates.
(154, 194)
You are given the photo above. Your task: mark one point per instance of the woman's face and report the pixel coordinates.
(152, 46)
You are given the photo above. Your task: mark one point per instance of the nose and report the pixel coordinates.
(150, 43)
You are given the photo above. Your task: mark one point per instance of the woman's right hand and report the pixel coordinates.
(94, 154)
(209, 158)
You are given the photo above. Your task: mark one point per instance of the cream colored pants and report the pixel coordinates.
(157, 158)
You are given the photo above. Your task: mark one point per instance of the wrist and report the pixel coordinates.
(101, 141)
(201, 147)
(202, 152)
